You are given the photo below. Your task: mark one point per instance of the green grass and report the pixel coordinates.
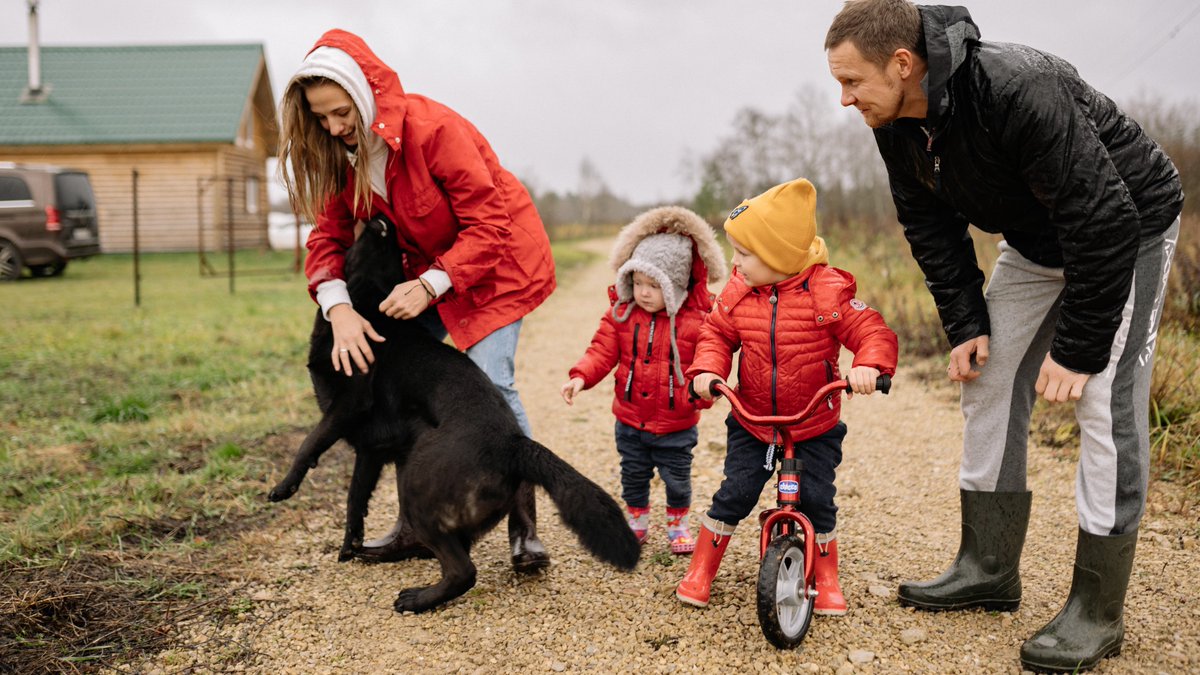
(116, 416)
(140, 426)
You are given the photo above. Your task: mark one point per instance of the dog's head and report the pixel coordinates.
(374, 264)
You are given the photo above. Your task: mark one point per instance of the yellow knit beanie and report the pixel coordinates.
(780, 227)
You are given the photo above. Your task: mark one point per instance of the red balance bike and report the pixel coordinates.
(788, 543)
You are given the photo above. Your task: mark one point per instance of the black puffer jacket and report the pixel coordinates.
(1016, 143)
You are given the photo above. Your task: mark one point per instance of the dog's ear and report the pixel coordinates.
(379, 225)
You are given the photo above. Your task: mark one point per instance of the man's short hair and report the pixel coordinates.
(878, 28)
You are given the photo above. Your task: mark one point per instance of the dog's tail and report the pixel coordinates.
(584, 506)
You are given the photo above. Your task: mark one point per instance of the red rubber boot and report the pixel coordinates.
(830, 601)
(697, 583)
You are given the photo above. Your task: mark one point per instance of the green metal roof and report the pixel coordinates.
(135, 94)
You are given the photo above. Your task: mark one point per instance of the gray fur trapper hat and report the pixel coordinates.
(666, 258)
(659, 243)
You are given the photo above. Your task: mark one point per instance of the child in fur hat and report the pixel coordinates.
(664, 260)
(789, 313)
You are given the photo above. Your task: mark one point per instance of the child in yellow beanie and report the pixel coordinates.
(790, 313)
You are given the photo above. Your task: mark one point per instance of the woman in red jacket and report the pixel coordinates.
(664, 260)
(354, 145)
(789, 313)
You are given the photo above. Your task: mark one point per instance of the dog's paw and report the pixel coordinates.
(346, 554)
(409, 600)
(282, 491)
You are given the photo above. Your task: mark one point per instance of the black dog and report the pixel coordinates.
(460, 455)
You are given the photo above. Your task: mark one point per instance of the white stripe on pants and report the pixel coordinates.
(1023, 301)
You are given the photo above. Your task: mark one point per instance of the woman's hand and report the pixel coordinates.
(862, 380)
(350, 343)
(571, 389)
(407, 300)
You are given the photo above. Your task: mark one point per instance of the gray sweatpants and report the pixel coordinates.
(1023, 301)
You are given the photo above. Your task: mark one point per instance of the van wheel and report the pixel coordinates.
(10, 261)
(52, 270)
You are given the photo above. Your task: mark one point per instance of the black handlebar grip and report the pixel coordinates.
(712, 388)
(883, 384)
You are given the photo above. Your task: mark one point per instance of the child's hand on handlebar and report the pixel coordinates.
(862, 380)
(702, 383)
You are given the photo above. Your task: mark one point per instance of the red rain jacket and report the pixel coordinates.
(790, 346)
(454, 207)
(647, 395)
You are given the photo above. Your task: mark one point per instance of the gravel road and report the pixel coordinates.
(300, 611)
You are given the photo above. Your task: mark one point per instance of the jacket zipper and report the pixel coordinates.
(937, 161)
(650, 340)
(632, 365)
(670, 379)
(774, 300)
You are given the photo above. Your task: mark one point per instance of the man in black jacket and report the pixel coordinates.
(1011, 140)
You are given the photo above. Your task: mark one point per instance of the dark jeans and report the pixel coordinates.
(642, 451)
(745, 476)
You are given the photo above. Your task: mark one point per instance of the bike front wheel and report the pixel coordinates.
(785, 598)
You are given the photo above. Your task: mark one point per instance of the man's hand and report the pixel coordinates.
(862, 380)
(571, 389)
(960, 359)
(407, 300)
(702, 382)
(350, 344)
(1057, 384)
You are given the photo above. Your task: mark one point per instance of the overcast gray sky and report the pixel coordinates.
(633, 85)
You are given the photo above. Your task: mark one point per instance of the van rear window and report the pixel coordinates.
(74, 191)
(13, 189)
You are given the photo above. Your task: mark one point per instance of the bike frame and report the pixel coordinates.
(787, 514)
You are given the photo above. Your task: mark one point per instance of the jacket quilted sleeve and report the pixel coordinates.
(601, 356)
(937, 235)
(718, 340)
(1060, 154)
(864, 332)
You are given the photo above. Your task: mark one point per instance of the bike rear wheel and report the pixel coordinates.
(785, 598)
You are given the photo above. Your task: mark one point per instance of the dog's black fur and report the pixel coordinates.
(459, 452)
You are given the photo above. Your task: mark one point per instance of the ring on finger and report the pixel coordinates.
(343, 350)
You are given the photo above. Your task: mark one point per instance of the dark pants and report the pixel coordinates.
(642, 451)
(746, 473)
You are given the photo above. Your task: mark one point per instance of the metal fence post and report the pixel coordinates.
(137, 272)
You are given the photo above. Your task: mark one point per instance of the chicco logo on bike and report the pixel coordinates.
(789, 487)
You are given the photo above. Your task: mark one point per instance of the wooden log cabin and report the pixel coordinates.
(197, 122)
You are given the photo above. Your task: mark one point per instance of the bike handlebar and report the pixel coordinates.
(883, 384)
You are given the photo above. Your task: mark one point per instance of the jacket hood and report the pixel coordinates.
(708, 264)
(390, 101)
(949, 34)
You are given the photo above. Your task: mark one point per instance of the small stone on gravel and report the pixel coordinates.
(912, 635)
(861, 656)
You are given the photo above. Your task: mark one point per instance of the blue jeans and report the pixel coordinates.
(642, 451)
(745, 476)
(494, 355)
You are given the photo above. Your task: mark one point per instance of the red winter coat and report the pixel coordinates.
(790, 347)
(454, 207)
(647, 395)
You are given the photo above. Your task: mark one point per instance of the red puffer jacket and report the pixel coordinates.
(454, 207)
(648, 396)
(790, 335)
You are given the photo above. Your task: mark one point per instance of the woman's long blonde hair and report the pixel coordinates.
(312, 163)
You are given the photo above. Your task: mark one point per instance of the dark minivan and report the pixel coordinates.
(47, 217)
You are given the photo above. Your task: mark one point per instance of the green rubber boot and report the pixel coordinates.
(985, 572)
(1091, 625)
